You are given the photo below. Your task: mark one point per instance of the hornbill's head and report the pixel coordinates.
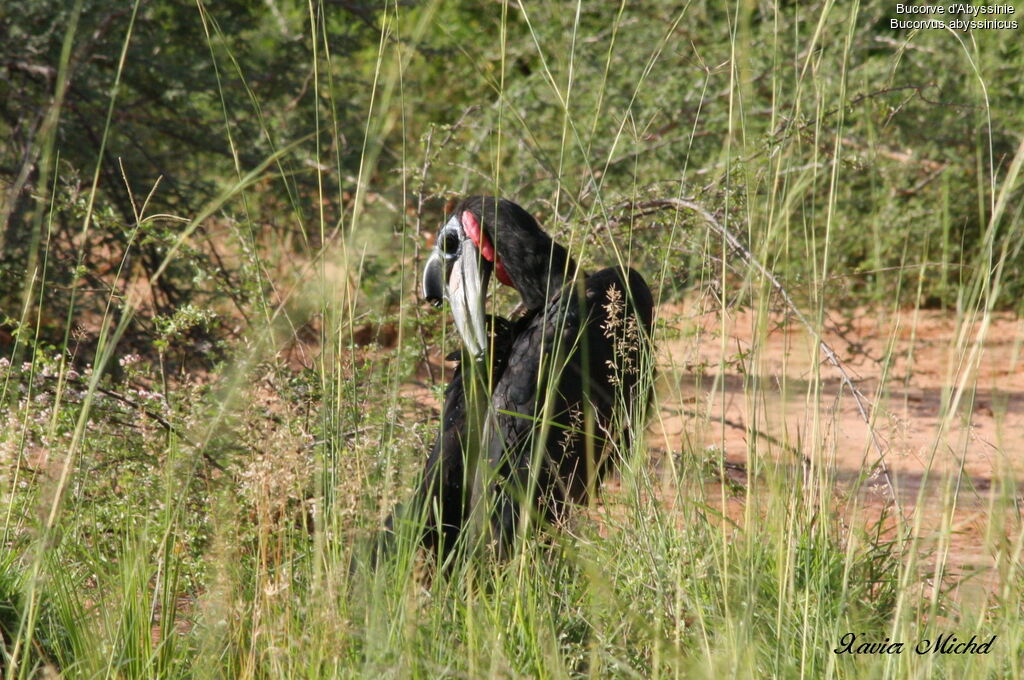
(484, 235)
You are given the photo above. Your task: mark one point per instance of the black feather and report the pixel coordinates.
(566, 377)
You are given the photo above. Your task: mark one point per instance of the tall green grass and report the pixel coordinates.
(167, 524)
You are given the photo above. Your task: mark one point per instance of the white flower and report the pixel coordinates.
(129, 360)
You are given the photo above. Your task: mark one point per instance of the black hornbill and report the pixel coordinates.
(558, 387)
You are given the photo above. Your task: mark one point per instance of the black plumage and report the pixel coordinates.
(560, 386)
(443, 494)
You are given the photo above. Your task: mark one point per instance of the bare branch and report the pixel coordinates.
(864, 406)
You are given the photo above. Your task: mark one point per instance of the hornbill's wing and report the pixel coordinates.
(569, 367)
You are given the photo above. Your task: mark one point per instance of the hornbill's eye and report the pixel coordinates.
(450, 243)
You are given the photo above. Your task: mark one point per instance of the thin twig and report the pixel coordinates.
(739, 425)
(149, 413)
(864, 406)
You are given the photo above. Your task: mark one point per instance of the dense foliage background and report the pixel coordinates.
(357, 117)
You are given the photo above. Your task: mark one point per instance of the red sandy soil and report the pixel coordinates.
(947, 408)
(945, 397)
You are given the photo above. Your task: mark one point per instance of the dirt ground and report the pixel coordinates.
(946, 409)
(944, 396)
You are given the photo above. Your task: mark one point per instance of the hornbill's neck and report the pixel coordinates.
(523, 255)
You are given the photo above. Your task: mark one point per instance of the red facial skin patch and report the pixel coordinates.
(484, 245)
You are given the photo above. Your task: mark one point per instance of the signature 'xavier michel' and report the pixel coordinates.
(946, 643)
